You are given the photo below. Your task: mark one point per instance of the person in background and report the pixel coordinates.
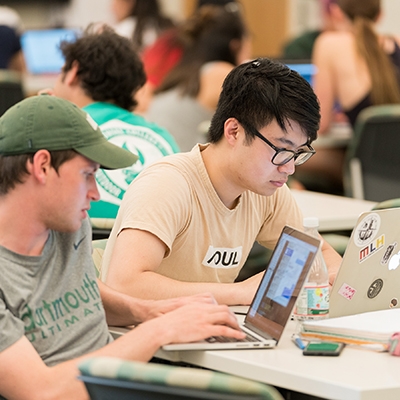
(356, 67)
(140, 20)
(11, 55)
(217, 40)
(301, 47)
(160, 57)
(101, 74)
(188, 222)
(53, 311)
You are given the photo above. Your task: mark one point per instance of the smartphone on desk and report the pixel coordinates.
(323, 349)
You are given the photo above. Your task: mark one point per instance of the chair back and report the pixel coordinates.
(372, 162)
(11, 90)
(112, 378)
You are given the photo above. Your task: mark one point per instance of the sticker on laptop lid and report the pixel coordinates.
(388, 253)
(367, 229)
(347, 291)
(394, 303)
(371, 248)
(375, 288)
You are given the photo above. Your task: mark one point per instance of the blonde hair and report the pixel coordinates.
(363, 14)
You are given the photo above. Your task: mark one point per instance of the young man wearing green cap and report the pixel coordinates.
(53, 312)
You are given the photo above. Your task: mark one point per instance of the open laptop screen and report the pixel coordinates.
(41, 49)
(307, 71)
(282, 282)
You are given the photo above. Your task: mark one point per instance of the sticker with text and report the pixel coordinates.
(371, 248)
(347, 291)
(388, 253)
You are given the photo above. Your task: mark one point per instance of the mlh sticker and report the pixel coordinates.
(372, 248)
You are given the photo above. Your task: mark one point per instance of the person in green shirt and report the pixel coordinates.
(102, 74)
(301, 47)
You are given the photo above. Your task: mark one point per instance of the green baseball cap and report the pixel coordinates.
(51, 123)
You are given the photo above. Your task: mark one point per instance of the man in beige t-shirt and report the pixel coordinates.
(188, 222)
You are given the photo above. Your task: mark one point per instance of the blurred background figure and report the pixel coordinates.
(11, 56)
(301, 47)
(215, 39)
(142, 21)
(160, 57)
(356, 67)
(12, 61)
(101, 74)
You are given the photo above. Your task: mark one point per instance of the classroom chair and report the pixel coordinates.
(97, 254)
(112, 378)
(372, 161)
(11, 90)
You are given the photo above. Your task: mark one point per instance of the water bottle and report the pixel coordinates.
(313, 301)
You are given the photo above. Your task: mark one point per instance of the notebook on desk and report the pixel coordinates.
(369, 277)
(275, 297)
(41, 49)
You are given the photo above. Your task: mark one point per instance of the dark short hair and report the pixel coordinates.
(262, 90)
(13, 168)
(109, 68)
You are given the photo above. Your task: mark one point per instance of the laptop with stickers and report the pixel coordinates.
(369, 277)
(275, 298)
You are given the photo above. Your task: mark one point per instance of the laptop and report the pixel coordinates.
(275, 297)
(304, 67)
(41, 49)
(369, 276)
(307, 71)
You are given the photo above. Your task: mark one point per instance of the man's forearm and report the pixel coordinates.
(151, 285)
(333, 261)
(121, 309)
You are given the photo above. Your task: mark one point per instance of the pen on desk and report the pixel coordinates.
(298, 342)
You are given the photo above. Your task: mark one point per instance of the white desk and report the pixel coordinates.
(33, 83)
(354, 375)
(339, 135)
(334, 212)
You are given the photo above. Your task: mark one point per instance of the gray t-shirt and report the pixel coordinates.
(182, 116)
(53, 299)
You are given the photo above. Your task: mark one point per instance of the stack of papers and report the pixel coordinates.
(374, 327)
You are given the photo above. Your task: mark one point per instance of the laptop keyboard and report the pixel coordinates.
(224, 339)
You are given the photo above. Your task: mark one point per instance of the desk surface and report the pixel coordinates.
(334, 212)
(355, 375)
(339, 135)
(34, 83)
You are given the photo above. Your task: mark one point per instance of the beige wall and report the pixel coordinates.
(268, 21)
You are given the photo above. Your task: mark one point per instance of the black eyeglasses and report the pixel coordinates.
(283, 156)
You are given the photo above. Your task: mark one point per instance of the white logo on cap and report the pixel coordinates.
(91, 122)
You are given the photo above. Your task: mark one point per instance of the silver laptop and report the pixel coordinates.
(369, 277)
(275, 298)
